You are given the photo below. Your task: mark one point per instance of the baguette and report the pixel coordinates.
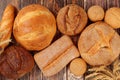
(55, 57)
(6, 27)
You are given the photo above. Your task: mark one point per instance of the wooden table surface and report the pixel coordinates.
(54, 6)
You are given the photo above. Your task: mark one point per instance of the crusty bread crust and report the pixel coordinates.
(71, 19)
(34, 27)
(6, 26)
(99, 44)
(55, 57)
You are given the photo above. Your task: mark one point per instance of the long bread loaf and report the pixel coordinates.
(6, 27)
(55, 57)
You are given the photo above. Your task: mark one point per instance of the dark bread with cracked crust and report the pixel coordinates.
(15, 62)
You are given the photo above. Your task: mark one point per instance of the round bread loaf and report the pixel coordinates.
(71, 19)
(99, 44)
(34, 27)
(15, 62)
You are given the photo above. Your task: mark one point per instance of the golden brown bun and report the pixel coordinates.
(96, 13)
(71, 19)
(112, 17)
(15, 62)
(6, 26)
(99, 44)
(34, 27)
(55, 57)
(78, 66)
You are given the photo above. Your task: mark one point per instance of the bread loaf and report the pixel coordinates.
(55, 57)
(34, 27)
(15, 62)
(99, 44)
(71, 19)
(6, 27)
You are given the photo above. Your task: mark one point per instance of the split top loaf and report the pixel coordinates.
(71, 19)
(55, 57)
(99, 44)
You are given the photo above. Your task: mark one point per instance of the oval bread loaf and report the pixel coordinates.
(55, 57)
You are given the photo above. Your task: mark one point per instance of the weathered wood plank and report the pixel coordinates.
(88, 3)
(55, 6)
(35, 74)
(3, 4)
(78, 2)
(113, 3)
(26, 2)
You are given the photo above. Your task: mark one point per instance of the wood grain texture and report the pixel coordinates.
(54, 6)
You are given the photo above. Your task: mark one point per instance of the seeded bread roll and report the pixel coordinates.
(34, 27)
(6, 26)
(99, 44)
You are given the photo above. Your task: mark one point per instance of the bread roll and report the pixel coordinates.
(55, 57)
(99, 44)
(6, 26)
(96, 13)
(15, 62)
(112, 17)
(78, 67)
(71, 19)
(34, 27)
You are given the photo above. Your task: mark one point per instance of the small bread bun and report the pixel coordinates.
(99, 44)
(34, 27)
(71, 19)
(112, 17)
(96, 13)
(78, 67)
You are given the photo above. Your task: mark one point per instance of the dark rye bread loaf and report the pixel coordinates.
(15, 62)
